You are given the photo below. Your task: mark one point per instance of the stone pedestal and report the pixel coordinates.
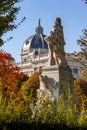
(56, 80)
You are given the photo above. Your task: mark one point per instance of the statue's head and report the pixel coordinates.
(57, 21)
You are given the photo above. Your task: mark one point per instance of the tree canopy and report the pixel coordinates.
(8, 13)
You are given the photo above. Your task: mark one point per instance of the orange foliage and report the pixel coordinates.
(9, 75)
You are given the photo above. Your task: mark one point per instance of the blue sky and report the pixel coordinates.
(73, 14)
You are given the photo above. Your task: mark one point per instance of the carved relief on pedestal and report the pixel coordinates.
(48, 86)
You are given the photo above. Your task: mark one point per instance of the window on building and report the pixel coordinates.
(75, 70)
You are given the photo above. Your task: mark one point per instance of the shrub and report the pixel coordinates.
(29, 88)
(44, 114)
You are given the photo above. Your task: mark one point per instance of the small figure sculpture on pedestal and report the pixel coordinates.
(56, 44)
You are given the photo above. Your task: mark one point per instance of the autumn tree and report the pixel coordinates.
(9, 75)
(8, 13)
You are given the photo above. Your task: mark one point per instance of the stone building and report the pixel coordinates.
(35, 55)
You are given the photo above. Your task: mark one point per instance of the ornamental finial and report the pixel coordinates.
(39, 22)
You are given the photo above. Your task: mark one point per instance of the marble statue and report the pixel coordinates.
(57, 77)
(56, 44)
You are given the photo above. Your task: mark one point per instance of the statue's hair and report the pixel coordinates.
(58, 21)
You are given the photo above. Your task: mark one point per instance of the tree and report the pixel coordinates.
(8, 12)
(10, 76)
(83, 44)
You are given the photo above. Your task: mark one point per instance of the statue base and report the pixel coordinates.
(55, 80)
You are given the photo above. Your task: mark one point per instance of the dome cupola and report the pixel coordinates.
(35, 44)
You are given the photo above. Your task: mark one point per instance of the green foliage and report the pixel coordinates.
(82, 120)
(44, 114)
(31, 85)
(8, 13)
(55, 112)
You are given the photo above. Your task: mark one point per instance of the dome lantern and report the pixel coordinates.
(39, 29)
